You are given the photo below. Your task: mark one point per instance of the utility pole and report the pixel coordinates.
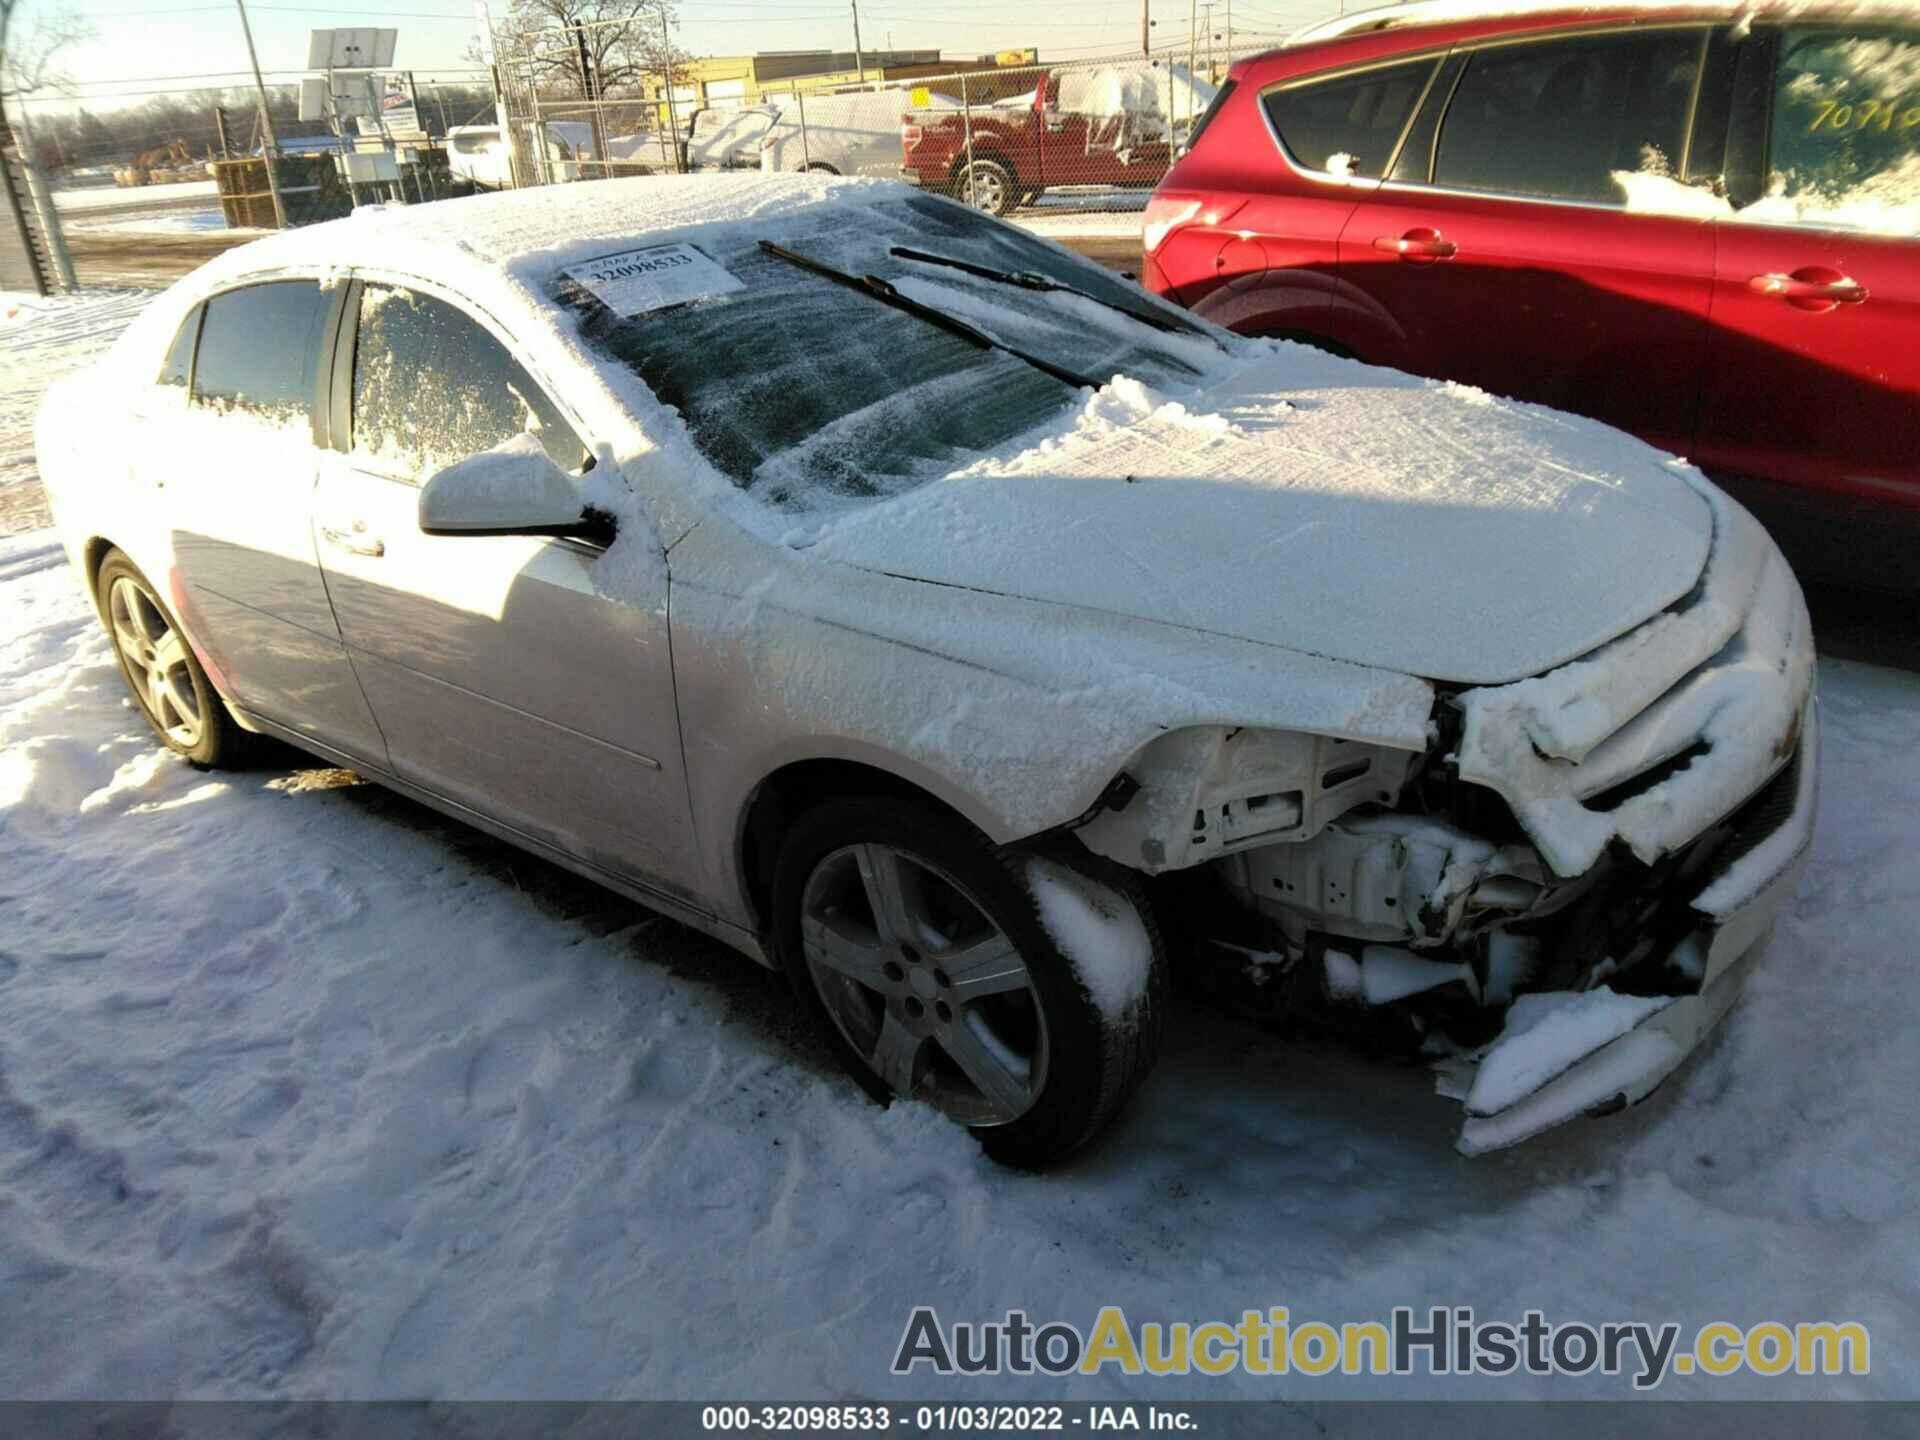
(590, 91)
(1193, 41)
(859, 59)
(272, 146)
(1146, 24)
(666, 62)
(1207, 6)
(491, 59)
(1229, 32)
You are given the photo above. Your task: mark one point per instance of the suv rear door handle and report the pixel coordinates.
(1420, 243)
(1813, 287)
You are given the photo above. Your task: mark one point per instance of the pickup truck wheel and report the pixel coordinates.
(929, 960)
(986, 185)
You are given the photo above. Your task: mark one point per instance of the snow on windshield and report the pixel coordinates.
(809, 394)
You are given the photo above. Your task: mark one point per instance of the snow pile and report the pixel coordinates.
(1145, 95)
(42, 339)
(1099, 932)
(1887, 203)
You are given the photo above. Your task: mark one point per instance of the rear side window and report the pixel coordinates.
(431, 386)
(1557, 120)
(260, 349)
(179, 365)
(1214, 107)
(1348, 125)
(1846, 129)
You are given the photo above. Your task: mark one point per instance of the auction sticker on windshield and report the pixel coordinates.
(632, 282)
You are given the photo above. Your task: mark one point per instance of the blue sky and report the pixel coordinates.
(147, 45)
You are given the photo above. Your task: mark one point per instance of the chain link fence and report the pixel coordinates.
(1063, 137)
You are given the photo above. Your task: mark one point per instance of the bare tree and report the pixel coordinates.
(30, 50)
(622, 41)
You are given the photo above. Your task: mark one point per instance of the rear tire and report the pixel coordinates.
(920, 951)
(165, 677)
(986, 185)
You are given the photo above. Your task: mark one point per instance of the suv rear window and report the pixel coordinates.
(1556, 120)
(1350, 124)
(1214, 107)
(1846, 128)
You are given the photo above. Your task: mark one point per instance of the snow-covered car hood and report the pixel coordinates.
(1323, 506)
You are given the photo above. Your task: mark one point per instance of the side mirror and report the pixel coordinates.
(512, 489)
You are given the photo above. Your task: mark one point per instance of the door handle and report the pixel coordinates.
(355, 541)
(1813, 287)
(1419, 244)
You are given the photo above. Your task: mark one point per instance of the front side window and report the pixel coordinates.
(1350, 124)
(431, 386)
(1846, 130)
(1565, 119)
(179, 363)
(260, 350)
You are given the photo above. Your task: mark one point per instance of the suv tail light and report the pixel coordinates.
(1164, 215)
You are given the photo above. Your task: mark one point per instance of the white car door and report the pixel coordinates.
(504, 679)
(234, 481)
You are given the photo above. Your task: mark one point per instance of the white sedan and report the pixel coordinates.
(935, 616)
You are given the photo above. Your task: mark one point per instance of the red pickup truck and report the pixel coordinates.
(1053, 137)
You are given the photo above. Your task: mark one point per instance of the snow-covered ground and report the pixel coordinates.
(139, 197)
(175, 219)
(41, 339)
(1106, 216)
(305, 1091)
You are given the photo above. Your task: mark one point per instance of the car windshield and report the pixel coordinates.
(807, 392)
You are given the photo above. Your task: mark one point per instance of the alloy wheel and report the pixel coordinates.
(923, 984)
(984, 189)
(156, 659)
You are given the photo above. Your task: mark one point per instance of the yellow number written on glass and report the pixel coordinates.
(1837, 114)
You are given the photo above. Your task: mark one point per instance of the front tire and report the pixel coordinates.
(168, 684)
(921, 952)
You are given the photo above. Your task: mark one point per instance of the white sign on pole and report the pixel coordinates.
(313, 98)
(356, 49)
(632, 282)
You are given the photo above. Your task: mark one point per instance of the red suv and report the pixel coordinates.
(1698, 224)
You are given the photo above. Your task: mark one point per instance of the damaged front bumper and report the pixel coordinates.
(1561, 896)
(1709, 782)
(1592, 1052)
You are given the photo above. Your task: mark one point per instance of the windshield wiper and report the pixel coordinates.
(886, 294)
(1033, 280)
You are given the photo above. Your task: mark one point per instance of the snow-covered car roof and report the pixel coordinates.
(537, 231)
